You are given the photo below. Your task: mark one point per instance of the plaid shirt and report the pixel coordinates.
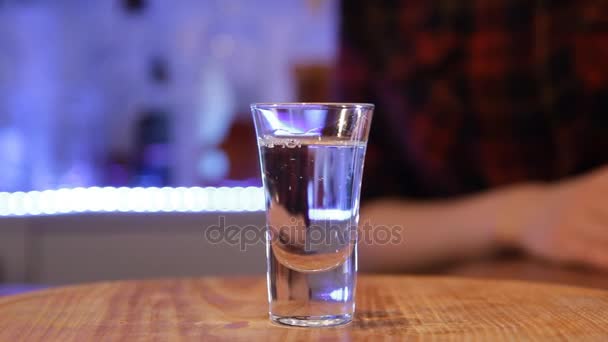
(472, 94)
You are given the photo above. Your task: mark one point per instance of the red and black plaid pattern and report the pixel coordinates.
(473, 94)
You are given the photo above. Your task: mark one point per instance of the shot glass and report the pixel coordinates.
(311, 157)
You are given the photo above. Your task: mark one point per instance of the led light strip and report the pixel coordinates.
(136, 200)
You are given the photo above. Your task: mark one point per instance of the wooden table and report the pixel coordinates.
(235, 309)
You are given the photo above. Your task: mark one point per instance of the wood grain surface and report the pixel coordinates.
(388, 307)
(530, 269)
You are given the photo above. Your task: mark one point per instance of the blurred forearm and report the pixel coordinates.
(440, 231)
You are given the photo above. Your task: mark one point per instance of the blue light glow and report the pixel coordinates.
(339, 295)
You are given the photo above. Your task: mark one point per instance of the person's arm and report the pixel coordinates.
(426, 233)
(564, 222)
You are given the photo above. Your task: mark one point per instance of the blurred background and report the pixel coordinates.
(150, 92)
(113, 108)
(126, 136)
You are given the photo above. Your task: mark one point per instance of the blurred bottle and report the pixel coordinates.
(217, 110)
(152, 137)
(29, 142)
(153, 149)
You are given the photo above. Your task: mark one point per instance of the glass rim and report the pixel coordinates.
(312, 105)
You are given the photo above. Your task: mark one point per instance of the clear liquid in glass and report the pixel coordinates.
(312, 195)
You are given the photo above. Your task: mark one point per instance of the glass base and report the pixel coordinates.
(312, 321)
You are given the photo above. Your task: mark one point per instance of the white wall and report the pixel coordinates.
(13, 250)
(84, 248)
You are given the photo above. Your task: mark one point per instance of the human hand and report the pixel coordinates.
(567, 222)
